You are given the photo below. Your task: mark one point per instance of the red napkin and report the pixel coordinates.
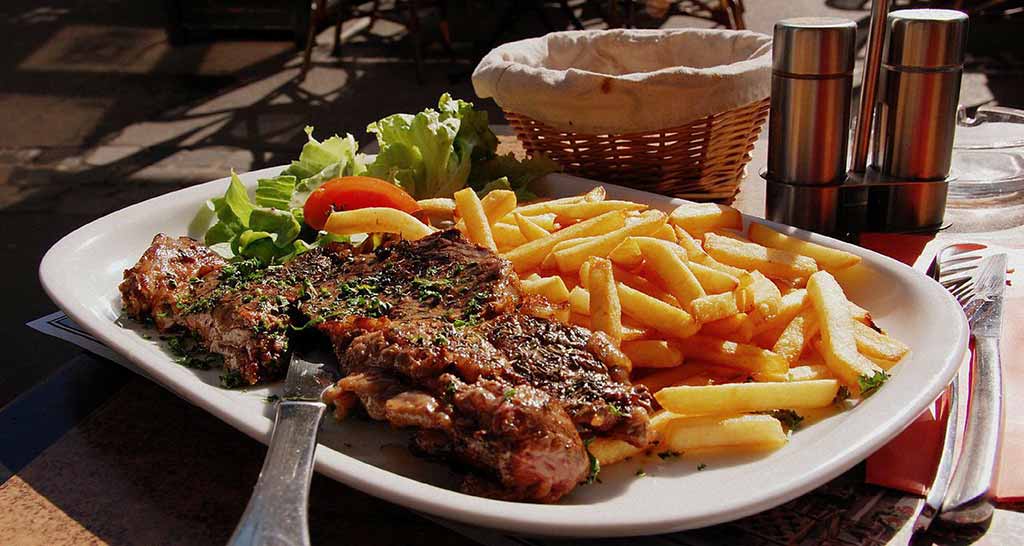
(908, 462)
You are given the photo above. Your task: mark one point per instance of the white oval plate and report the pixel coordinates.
(81, 273)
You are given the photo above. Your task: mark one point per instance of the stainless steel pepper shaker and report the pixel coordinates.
(808, 130)
(919, 87)
(915, 119)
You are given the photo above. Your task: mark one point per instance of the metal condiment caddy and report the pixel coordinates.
(909, 98)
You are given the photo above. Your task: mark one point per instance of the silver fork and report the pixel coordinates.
(952, 267)
(277, 511)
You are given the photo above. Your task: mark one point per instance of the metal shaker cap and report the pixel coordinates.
(814, 46)
(926, 38)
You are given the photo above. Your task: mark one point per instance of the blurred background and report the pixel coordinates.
(106, 103)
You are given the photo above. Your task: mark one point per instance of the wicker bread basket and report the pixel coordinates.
(636, 107)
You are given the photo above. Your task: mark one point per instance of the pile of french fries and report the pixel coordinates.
(723, 326)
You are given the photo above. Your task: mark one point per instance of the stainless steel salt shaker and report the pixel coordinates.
(808, 130)
(919, 87)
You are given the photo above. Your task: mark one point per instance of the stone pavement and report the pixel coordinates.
(100, 112)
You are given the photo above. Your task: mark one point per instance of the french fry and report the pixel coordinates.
(668, 266)
(590, 209)
(631, 280)
(597, 193)
(714, 307)
(712, 280)
(570, 259)
(838, 341)
(728, 232)
(772, 262)
(605, 310)
(810, 372)
(708, 261)
(689, 433)
(747, 397)
(552, 288)
(666, 233)
(496, 205)
(531, 254)
(762, 364)
(579, 300)
(878, 346)
(377, 220)
(627, 254)
(507, 236)
(656, 314)
(478, 227)
(701, 217)
(797, 335)
(630, 330)
(668, 377)
(652, 353)
(545, 221)
(438, 207)
(723, 327)
(829, 259)
(549, 262)
(692, 246)
(790, 304)
(530, 230)
(758, 296)
(541, 207)
(608, 451)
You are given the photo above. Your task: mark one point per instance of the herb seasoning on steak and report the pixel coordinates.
(432, 335)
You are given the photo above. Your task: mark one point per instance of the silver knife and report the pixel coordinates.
(969, 497)
(277, 511)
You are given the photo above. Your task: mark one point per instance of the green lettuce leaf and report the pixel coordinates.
(430, 154)
(275, 192)
(323, 161)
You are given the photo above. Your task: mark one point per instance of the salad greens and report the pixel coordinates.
(430, 154)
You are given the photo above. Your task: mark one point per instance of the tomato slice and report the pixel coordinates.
(356, 192)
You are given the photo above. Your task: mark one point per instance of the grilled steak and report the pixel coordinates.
(431, 334)
(441, 276)
(167, 271)
(239, 311)
(581, 369)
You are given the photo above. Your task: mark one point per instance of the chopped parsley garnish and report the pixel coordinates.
(430, 289)
(595, 465)
(789, 418)
(234, 275)
(640, 473)
(615, 410)
(272, 398)
(440, 340)
(231, 379)
(188, 352)
(510, 393)
(869, 384)
(701, 466)
(665, 455)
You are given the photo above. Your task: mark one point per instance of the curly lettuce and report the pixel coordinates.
(436, 153)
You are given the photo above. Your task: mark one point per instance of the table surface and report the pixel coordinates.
(99, 455)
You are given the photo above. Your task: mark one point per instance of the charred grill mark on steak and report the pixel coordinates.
(431, 335)
(580, 368)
